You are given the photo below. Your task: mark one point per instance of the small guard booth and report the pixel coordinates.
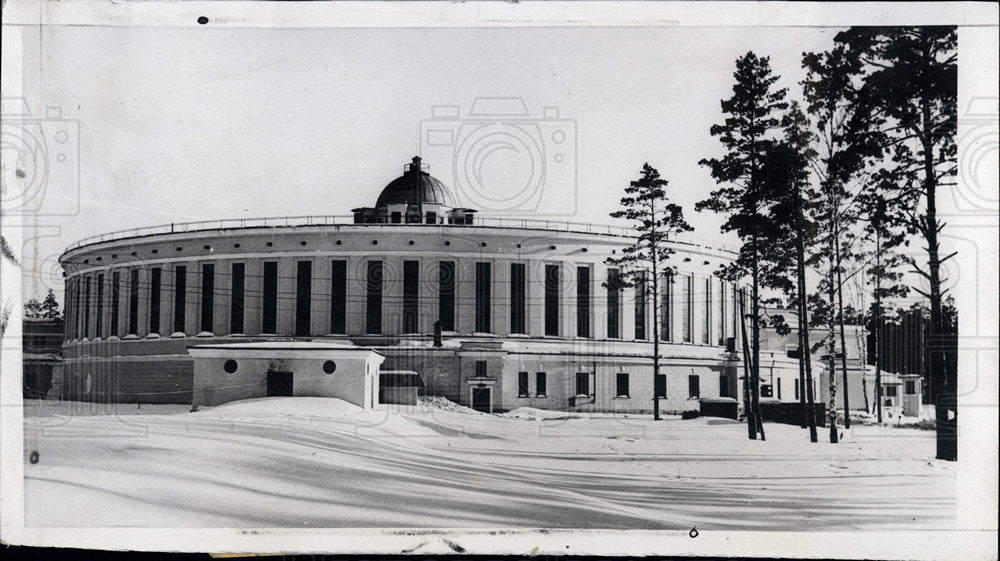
(233, 371)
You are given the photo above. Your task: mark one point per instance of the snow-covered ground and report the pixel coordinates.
(313, 462)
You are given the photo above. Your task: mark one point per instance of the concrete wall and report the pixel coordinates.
(428, 245)
(352, 381)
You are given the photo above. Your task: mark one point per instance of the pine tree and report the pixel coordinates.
(656, 220)
(884, 234)
(752, 118)
(845, 150)
(787, 170)
(911, 79)
(50, 306)
(32, 309)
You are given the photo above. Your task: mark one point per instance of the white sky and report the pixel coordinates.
(198, 124)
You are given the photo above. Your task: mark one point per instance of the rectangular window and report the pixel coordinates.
(100, 306)
(766, 390)
(411, 296)
(796, 388)
(660, 386)
(483, 323)
(86, 307)
(180, 297)
(707, 323)
(640, 306)
(778, 382)
(432, 217)
(269, 305)
(338, 296)
(911, 387)
(614, 304)
(116, 283)
(736, 313)
(583, 383)
(523, 385)
(77, 299)
(396, 217)
(517, 298)
(722, 312)
(540, 384)
(446, 295)
(133, 302)
(621, 384)
(155, 278)
(303, 298)
(890, 391)
(688, 307)
(207, 297)
(373, 313)
(481, 371)
(237, 299)
(552, 300)
(667, 308)
(583, 301)
(724, 385)
(694, 386)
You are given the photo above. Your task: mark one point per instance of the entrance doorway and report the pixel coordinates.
(481, 399)
(279, 384)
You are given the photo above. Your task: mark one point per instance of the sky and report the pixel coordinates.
(195, 124)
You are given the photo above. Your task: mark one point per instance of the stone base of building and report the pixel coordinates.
(484, 372)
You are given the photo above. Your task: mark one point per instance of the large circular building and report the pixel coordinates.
(523, 308)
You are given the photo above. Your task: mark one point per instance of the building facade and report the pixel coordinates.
(528, 311)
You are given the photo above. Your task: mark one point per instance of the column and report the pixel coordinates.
(535, 297)
(465, 294)
(320, 308)
(599, 302)
(222, 298)
(286, 295)
(427, 292)
(253, 297)
(567, 298)
(500, 296)
(192, 306)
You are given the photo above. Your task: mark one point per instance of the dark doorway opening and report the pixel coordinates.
(481, 399)
(279, 384)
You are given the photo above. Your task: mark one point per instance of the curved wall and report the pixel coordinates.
(116, 348)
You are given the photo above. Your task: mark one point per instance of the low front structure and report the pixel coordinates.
(229, 372)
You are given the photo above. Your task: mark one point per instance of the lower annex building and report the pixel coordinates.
(528, 311)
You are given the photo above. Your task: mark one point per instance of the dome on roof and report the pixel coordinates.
(407, 189)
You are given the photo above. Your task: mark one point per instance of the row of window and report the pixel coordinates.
(84, 291)
(585, 385)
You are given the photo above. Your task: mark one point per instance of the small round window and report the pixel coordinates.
(329, 367)
(230, 366)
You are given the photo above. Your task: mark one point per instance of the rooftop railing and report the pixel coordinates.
(348, 220)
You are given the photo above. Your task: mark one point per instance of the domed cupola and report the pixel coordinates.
(415, 198)
(415, 187)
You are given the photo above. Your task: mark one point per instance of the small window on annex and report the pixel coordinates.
(621, 384)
